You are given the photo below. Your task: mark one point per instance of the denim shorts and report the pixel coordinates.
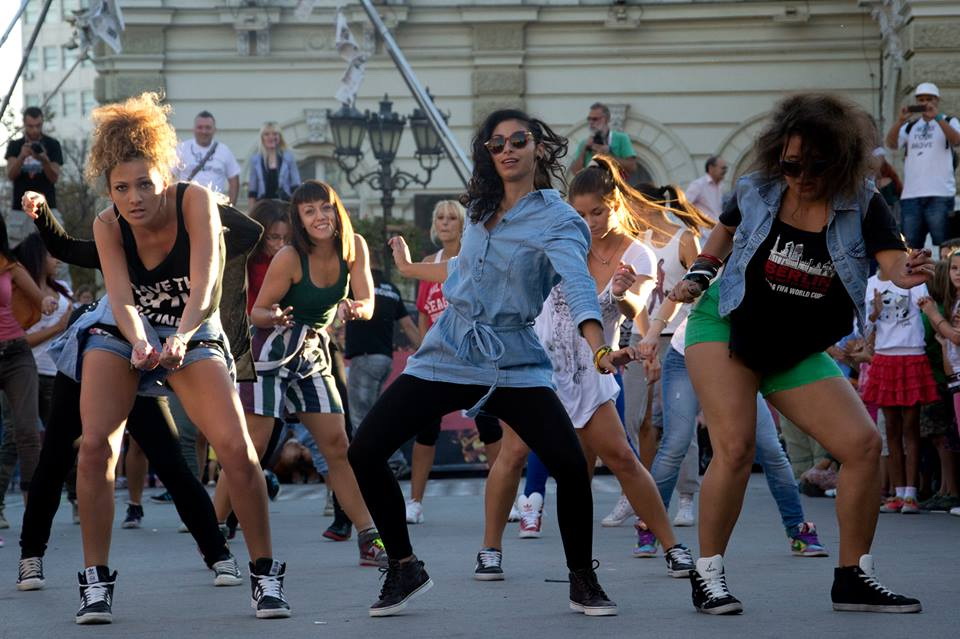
(208, 342)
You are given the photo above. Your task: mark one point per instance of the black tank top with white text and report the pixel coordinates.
(161, 293)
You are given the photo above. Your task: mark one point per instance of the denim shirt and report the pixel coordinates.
(288, 179)
(759, 199)
(496, 288)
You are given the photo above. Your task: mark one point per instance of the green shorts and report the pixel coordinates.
(706, 325)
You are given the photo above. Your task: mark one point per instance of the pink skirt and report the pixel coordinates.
(900, 380)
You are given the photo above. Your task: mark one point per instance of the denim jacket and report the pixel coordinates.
(288, 179)
(496, 288)
(759, 198)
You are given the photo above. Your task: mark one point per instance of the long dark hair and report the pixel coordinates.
(317, 191)
(942, 289)
(32, 254)
(832, 128)
(5, 242)
(267, 213)
(672, 197)
(485, 189)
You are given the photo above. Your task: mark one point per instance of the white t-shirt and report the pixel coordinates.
(221, 166)
(899, 327)
(45, 363)
(705, 194)
(928, 165)
(953, 351)
(669, 272)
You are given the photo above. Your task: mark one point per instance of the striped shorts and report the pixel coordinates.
(302, 383)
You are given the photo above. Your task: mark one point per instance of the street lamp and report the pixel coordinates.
(384, 130)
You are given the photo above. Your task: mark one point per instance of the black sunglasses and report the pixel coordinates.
(792, 168)
(498, 143)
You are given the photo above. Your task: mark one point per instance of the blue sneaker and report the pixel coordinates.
(646, 541)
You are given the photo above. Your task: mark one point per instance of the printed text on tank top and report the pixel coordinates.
(435, 302)
(160, 292)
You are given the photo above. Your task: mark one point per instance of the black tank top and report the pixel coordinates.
(160, 293)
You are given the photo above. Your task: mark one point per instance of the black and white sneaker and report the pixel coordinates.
(30, 575)
(856, 589)
(266, 588)
(587, 596)
(401, 583)
(134, 516)
(489, 565)
(227, 572)
(96, 595)
(679, 561)
(710, 594)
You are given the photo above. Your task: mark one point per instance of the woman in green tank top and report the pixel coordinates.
(305, 287)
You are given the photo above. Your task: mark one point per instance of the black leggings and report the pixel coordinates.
(488, 427)
(152, 426)
(536, 415)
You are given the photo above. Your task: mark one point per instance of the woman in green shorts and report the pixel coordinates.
(797, 236)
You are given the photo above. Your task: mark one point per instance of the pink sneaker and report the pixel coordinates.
(910, 506)
(892, 505)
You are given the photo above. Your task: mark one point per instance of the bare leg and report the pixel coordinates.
(212, 403)
(501, 487)
(329, 432)
(728, 395)
(136, 464)
(911, 445)
(493, 450)
(106, 397)
(895, 460)
(421, 465)
(830, 411)
(605, 436)
(260, 429)
(647, 444)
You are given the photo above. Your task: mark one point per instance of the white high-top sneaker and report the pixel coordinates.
(531, 514)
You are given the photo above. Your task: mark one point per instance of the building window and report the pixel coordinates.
(31, 99)
(32, 11)
(69, 57)
(87, 102)
(33, 61)
(51, 58)
(71, 106)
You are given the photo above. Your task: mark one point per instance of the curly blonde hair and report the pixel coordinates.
(136, 129)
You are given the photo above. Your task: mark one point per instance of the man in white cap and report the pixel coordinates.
(929, 167)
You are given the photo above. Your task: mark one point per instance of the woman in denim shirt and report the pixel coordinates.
(273, 168)
(799, 233)
(520, 241)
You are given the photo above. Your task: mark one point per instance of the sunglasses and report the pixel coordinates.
(792, 168)
(498, 143)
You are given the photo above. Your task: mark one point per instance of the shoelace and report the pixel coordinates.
(529, 519)
(588, 580)
(269, 586)
(95, 593)
(680, 556)
(227, 566)
(871, 581)
(489, 558)
(31, 567)
(391, 580)
(623, 509)
(716, 587)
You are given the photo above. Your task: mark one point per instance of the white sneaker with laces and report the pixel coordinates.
(514, 515)
(684, 516)
(955, 511)
(414, 512)
(531, 515)
(620, 513)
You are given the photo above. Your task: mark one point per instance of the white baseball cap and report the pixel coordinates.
(927, 88)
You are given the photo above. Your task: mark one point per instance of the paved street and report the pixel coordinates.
(165, 591)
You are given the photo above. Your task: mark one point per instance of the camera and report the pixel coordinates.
(598, 138)
(36, 147)
(917, 108)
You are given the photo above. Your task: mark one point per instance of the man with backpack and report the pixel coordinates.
(929, 167)
(208, 162)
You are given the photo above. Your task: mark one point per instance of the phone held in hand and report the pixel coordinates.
(917, 108)
(36, 147)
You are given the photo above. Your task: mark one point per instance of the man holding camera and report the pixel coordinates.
(33, 164)
(929, 166)
(603, 141)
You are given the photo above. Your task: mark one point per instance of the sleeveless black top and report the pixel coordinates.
(160, 293)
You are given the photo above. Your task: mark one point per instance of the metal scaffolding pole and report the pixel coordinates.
(461, 163)
(26, 54)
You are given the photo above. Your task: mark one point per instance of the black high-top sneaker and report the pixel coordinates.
(679, 561)
(587, 596)
(266, 588)
(401, 583)
(710, 594)
(30, 574)
(856, 589)
(96, 595)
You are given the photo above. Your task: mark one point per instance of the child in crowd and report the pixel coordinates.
(900, 381)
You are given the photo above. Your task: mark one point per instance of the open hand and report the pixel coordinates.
(401, 252)
(282, 317)
(349, 310)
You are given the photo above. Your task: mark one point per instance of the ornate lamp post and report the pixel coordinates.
(384, 130)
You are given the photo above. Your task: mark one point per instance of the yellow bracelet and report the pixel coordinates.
(601, 352)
